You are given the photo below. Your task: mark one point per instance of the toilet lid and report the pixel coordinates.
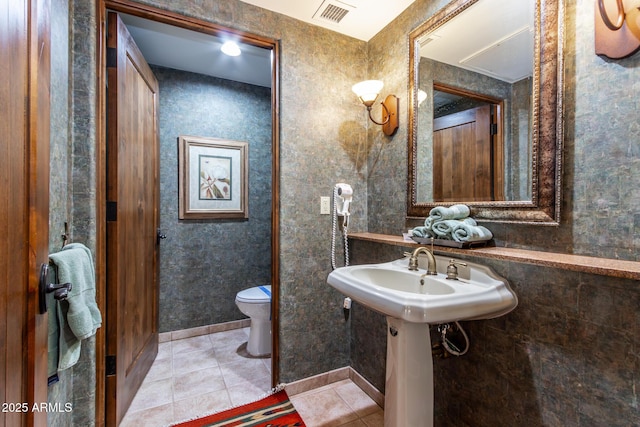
(255, 295)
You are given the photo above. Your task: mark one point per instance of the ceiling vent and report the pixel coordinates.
(332, 11)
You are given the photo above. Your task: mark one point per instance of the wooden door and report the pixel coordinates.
(132, 219)
(463, 156)
(24, 208)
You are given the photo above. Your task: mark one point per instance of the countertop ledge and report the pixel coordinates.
(587, 264)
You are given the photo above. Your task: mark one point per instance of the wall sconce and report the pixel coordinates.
(422, 96)
(620, 37)
(368, 91)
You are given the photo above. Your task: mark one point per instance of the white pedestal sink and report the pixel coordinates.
(412, 301)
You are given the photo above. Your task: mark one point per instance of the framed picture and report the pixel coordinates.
(213, 178)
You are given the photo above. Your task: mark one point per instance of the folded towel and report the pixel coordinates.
(469, 221)
(422, 232)
(465, 232)
(78, 316)
(444, 229)
(452, 212)
(428, 222)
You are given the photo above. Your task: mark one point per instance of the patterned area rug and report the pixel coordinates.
(274, 410)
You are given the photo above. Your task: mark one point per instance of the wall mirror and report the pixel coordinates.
(485, 83)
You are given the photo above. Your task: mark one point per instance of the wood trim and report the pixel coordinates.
(38, 134)
(275, 215)
(172, 18)
(101, 215)
(579, 263)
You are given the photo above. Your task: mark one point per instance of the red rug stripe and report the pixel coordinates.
(272, 411)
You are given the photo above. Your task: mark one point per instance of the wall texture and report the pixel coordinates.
(568, 355)
(72, 179)
(204, 263)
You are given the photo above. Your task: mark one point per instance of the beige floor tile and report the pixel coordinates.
(355, 423)
(375, 420)
(244, 371)
(164, 350)
(325, 409)
(194, 361)
(202, 375)
(357, 399)
(199, 343)
(152, 394)
(246, 392)
(161, 369)
(197, 382)
(154, 417)
(228, 339)
(201, 405)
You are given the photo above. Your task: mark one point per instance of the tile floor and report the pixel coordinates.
(209, 373)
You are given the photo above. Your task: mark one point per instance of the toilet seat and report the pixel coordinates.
(255, 295)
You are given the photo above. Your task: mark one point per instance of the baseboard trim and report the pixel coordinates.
(203, 330)
(326, 378)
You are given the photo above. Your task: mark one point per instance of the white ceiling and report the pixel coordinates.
(186, 50)
(362, 19)
(492, 37)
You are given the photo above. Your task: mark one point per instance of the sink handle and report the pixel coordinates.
(452, 269)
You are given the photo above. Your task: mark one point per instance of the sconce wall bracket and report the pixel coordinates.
(390, 105)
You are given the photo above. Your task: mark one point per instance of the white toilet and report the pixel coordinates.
(256, 303)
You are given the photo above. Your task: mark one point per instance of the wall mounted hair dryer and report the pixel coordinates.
(343, 197)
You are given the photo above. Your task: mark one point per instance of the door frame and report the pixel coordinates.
(176, 19)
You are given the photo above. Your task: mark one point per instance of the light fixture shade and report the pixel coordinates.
(231, 48)
(368, 91)
(422, 95)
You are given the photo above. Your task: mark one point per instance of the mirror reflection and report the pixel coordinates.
(474, 80)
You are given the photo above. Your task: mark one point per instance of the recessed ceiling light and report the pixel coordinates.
(231, 48)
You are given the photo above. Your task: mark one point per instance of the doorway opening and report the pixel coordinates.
(202, 30)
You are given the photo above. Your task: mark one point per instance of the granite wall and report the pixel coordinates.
(72, 180)
(568, 355)
(204, 263)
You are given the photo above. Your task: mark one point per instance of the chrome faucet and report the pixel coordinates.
(431, 266)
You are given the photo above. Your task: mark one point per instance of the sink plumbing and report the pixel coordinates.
(445, 347)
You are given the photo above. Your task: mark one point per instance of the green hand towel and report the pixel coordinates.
(78, 316)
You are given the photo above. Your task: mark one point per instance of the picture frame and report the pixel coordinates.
(213, 178)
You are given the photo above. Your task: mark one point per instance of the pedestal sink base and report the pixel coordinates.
(409, 377)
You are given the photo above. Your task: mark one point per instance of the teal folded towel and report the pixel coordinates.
(78, 316)
(465, 232)
(443, 229)
(422, 232)
(428, 222)
(452, 212)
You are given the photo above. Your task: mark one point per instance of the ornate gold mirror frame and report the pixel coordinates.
(547, 121)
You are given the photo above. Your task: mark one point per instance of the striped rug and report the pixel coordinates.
(274, 410)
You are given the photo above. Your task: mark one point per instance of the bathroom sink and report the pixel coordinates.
(393, 290)
(412, 301)
(399, 280)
